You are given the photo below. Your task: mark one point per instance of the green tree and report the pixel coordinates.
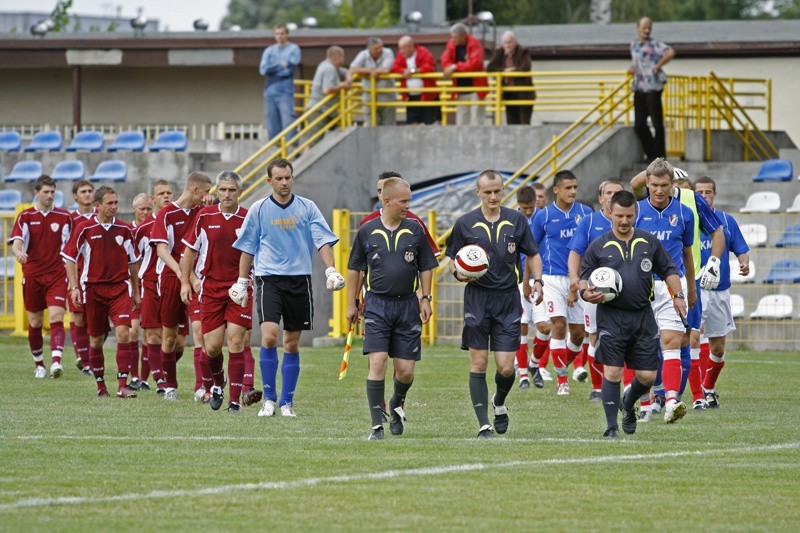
(60, 14)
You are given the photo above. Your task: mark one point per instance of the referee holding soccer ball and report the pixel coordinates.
(627, 333)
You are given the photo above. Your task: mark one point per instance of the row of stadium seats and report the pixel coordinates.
(775, 170)
(781, 271)
(11, 198)
(771, 306)
(93, 141)
(755, 235)
(69, 170)
(768, 202)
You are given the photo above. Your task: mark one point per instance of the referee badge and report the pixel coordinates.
(409, 256)
(646, 265)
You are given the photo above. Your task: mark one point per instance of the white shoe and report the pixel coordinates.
(267, 408)
(40, 372)
(579, 374)
(198, 395)
(546, 376)
(674, 411)
(286, 410)
(171, 394)
(56, 370)
(563, 389)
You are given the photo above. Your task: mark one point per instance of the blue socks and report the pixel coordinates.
(290, 372)
(686, 365)
(268, 361)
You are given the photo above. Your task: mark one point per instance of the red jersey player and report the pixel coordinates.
(83, 193)
(142, 210)
(170, 226)
(150, 314)
(217, 266)
(37, 232)
(106, 245)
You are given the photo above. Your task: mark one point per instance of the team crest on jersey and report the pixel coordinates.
(409, 256)
(54, 226)
(119, 239)
(673, 220)
(646, 265)
(511, 246)
(578, 218)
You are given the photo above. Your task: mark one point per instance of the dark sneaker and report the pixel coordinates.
(486, 432)
(658, 403)
(125, 392)
(233, 408)
(538, 380)
(699, 405)
(398, 418)
(143, 385)
(500, 417)
(217, 398)
(135, 384)
(253, 396)
(611, 433)
(161, 391)
(628, 416)
(595, 396)
(712, 399)
(377, 433)
(524, 383)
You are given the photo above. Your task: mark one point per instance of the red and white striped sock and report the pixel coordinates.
(715, 365)
(558, 348)
(671, 373)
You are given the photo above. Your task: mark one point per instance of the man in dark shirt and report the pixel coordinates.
(395, 254)
(627, 332)
(492, 308)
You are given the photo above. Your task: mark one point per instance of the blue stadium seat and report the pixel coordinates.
(10, 141)
(45, 141)
(112, 170)
(68, 170)
(25, 171)
(58, 201)
(87, 141)
(128, 140)
(774, 170)
(170, 140)
(784, 271)
(9, 199)
(790, 237)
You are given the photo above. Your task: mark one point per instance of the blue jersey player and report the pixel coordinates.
(277, 240)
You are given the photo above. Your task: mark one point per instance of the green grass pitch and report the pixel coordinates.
(70, 461)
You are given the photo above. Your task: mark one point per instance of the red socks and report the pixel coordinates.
(57, 337)
(522, 360)
(715, 365)
(235, 374)
(97, 361)
(671, 373)
(249, 368)
(218, 375)
(36, 342)
(199, 355)
(168, 363)
(156, 362)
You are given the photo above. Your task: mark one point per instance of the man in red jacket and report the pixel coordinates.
(416, 59)
(464, 53)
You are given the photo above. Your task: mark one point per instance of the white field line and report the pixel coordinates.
(760, 362)
(370, 476)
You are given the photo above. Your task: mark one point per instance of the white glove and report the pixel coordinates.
(335, 281)
(711, 273)
(238, 292)
(680, 174)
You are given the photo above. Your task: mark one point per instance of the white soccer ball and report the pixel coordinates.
(472, 261)
(608, 281)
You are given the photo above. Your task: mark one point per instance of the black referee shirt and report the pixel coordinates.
(392, 259)
(636, 261)
(503, 240)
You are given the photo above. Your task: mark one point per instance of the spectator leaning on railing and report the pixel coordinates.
(416, 59)
(511, 57)
(374, 61)
(464, 53)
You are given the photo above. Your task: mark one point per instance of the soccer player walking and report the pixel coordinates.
(395, 254)
(109, 273)
(627, 333)
(491, 303)
(39, 231)
(83, 193)
(277, 238)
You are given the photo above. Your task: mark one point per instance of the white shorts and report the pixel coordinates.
(556, 290)
(666, 316)
(590, 317)
(717, 315)
(532, 314)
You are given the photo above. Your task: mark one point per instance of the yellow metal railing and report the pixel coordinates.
(12, 271)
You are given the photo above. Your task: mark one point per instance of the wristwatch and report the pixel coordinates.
(428, 297)
(540, 282)
(678, 295)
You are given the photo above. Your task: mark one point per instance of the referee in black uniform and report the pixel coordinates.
(492, 308)
(627, 332)
(395, 254)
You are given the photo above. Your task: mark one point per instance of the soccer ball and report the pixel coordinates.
(472, 261)
(608, 281)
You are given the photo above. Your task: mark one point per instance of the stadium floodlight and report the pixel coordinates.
(39, 29)
(139, 23)
(485, 17)
(309, 22)
(415, 17)
(291, 26)
(200, 24)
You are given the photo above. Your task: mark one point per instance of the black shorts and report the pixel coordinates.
(287, 297)
(491, 315)
(392, 326)
(627, 338)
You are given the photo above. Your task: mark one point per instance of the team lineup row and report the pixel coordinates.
(179, 261)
